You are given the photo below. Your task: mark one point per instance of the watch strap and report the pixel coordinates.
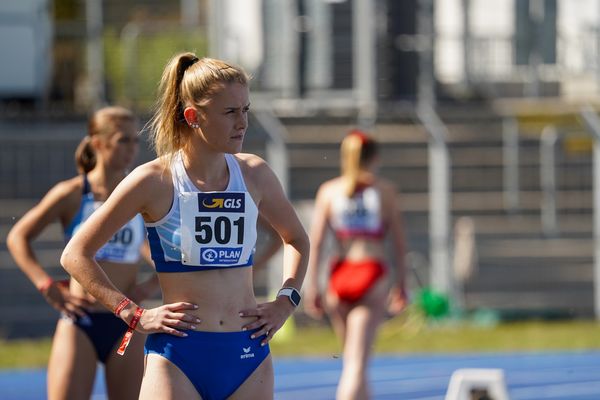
(292, 294)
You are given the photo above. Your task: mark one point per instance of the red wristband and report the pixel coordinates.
(129, 333)
(136, 318)
(121, 306)
(43, 288)
(64, 282)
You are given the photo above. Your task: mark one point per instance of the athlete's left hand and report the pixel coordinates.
(270, 317)
(397, 301)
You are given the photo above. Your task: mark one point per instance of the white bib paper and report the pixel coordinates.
(214, 228)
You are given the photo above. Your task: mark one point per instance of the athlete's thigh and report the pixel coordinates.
(163, 380)
(376, 296)
(259, 385)
(361, 328)
(362, 323)
(338, 312)
(124, 373)
(72, 364)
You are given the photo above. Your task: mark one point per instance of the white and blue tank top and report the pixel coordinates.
(124, 247)
(205, 230)
(358, 215)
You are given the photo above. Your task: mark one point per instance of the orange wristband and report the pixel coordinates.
(129, 333)
(121, 306)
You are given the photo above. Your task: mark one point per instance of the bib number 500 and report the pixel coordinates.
(219, 229)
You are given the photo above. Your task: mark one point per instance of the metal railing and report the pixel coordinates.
(549, 138)
(592, 122)
(442, 277)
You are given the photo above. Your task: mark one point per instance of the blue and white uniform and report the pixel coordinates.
(124, 246)
(104, 329)
(207, 231)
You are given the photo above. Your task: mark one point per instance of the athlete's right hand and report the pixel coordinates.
(168, 318)
(59, 296)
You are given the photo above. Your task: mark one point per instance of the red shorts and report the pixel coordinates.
(351, 280)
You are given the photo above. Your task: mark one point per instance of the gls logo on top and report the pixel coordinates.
(221, 202)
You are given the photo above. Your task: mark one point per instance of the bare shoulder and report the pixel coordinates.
(151, 173)
(327, 191)
(255, 169)
(145, 183)
(68, 186)
(68, 191)
(60, 202)
(330, 186)
(148, 189)
(251, 163)
(260, 179)
(389, 194)
(249, 158)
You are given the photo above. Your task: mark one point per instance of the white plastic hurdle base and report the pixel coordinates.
(477, 384)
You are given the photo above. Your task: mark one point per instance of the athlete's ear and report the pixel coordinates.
(191, 116)
(96, 141)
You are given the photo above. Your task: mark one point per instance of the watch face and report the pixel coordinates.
(295, 297)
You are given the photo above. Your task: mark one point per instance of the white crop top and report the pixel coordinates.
(205, 230)
(359, 215)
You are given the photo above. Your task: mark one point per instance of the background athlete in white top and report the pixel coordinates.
(361, 209)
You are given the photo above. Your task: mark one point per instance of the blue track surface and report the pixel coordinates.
(529, 376)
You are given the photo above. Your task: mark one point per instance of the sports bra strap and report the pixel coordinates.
(86, 185)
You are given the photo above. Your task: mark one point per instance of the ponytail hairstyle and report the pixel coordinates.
(103, 123)
(358, 149)
(187, 81)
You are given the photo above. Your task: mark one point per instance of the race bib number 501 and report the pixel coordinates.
(212, 228)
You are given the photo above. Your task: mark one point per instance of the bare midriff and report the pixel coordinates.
(358, 249)
(220, 295)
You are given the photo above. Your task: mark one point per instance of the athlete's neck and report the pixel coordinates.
(207, 170)
(104, 180)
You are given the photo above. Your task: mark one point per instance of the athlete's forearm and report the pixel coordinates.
(314, 264)
(22, 252)
(295, 260)
(91, 277)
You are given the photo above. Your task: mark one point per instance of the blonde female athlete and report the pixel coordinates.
(361, 210)
(200, 200)
(87, 332)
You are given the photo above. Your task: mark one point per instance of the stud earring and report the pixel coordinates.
(194, 125)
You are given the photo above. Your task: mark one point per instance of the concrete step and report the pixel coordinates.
(474, 167)
(564, 301)
(505, 225)
(500, 273)
(415, 154)
(333, 132)
(492, 203)
(526, 249)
